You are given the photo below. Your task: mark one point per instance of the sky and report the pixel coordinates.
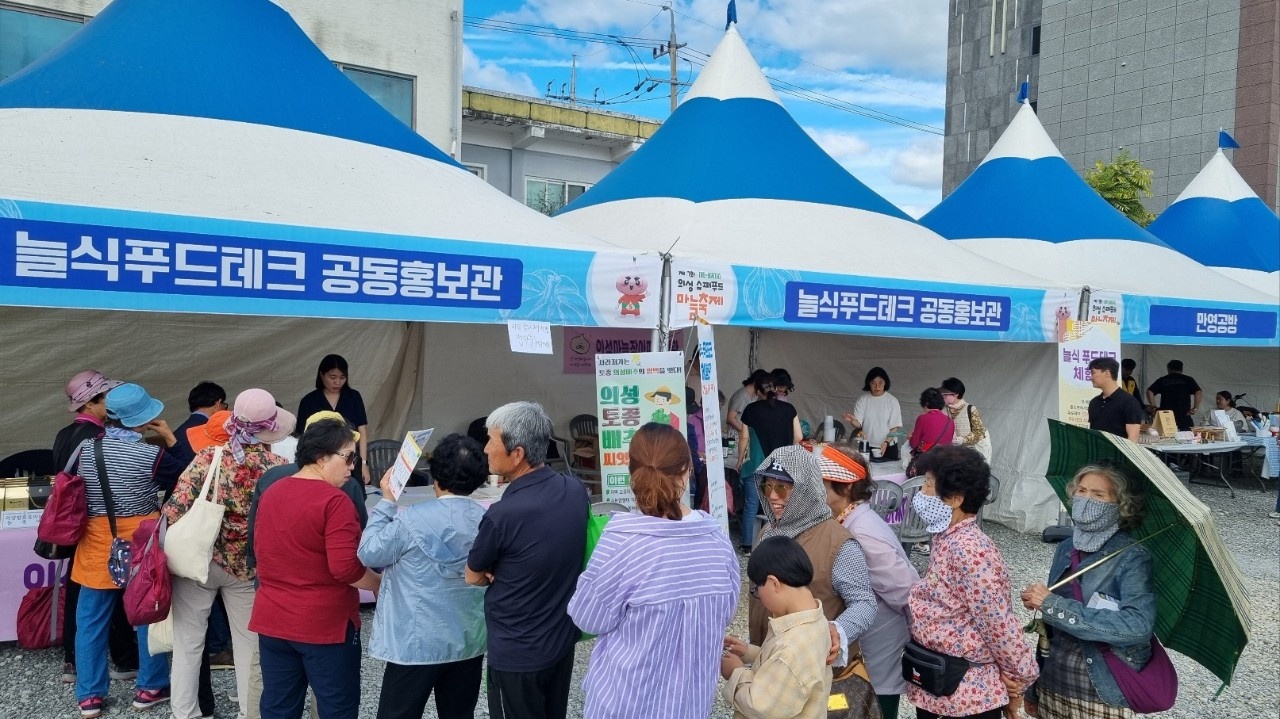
(888, 56)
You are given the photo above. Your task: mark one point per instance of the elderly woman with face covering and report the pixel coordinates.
(790, 485)
(1119, 607)
(845, 474)
(961, 608)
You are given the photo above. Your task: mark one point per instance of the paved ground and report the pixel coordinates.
(30, 687)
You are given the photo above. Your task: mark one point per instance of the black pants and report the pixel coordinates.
(122, 641)
(989, 714)
(406, 688)
(531, 695)
(332, 670)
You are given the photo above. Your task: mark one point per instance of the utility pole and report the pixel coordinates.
(671, 49)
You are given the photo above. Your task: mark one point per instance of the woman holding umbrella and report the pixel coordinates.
(1111, 607)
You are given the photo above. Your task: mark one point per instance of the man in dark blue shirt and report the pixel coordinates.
(529, 553)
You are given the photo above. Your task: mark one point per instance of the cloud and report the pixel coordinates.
(493, 76)
(919, 164)
(847, 148)
(906, 36)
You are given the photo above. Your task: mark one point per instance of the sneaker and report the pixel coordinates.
(91, 707)
(233, 694)
(147, 698)
(69, 673)
(1273, 515)
(123, 675)
(923, 548)
(222, 660)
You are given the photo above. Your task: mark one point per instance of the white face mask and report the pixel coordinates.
(935, 513)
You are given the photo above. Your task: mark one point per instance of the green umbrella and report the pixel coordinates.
(1202, 608)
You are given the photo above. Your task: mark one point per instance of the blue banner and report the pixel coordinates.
(73, 256)
(1176, 321)
(855, 306)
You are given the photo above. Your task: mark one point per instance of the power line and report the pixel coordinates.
(797, 58)
(630, 42)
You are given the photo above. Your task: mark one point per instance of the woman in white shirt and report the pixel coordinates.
(1223, 401)
(877, 413)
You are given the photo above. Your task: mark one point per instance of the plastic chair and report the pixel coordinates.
(886, 497)
(382, 454)
(584, 425)
(911, 529)
(601, 509)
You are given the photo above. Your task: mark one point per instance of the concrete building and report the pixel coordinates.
(542, 152)
(1156, 77)
(407, 54)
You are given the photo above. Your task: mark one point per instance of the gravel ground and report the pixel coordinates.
(30, 686)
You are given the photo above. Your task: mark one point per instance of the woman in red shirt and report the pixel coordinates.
(307, 610)
(934, 426)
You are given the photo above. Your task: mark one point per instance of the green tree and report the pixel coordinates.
(1123, 182)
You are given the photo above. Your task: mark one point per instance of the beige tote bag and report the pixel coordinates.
(189, 542)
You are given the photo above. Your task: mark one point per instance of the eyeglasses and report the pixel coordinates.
(782, 489)
(349, 456)
(754, 590)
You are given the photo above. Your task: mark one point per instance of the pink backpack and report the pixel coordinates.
(149, 593)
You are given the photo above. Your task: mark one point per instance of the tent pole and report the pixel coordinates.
(662, 334)
(753, 351)
(1082, 312)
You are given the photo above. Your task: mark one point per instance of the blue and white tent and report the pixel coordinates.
(767, 230)
(204, 162)
(1025, 207)
(1220, 222)
(207, 157)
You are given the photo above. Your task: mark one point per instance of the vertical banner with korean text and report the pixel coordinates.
(631, 390)
(1079, 343)
(717, 501)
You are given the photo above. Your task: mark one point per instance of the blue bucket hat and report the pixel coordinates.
(131, 406)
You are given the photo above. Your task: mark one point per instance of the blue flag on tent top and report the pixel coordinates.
(1024, 92)
(1226, 141)
(731, 14)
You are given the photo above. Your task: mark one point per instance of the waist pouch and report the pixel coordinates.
(937, 673)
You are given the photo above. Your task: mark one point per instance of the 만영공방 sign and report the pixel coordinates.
(1176, 321)
(816, 303)
(632, 390)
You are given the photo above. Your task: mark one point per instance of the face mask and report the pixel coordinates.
(935, 513)
(1095, 523)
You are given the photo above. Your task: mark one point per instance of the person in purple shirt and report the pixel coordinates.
(659, 591)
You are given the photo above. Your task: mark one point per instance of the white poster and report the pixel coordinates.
(717, 501)
(631, 390)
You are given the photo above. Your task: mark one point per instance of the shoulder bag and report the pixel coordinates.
(1151, 689)
(65, 514)
(189, 542)
(852, 696)
(121, 555)
(149, 594)
(913, 468)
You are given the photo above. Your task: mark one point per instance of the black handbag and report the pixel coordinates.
(937, 673)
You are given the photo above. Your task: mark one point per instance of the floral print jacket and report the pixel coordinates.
(962, 607)
(236, 483)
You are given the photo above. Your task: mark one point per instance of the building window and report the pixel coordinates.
(394, 92)
(1035, 107)
(481, 171)
(548, 196)
(1035, 40)
(26, 36)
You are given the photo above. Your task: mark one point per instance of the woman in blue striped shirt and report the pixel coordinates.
(660, 589)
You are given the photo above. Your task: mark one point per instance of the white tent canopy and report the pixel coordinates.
(1220, 222)
(742, 197)
(1026, 207)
